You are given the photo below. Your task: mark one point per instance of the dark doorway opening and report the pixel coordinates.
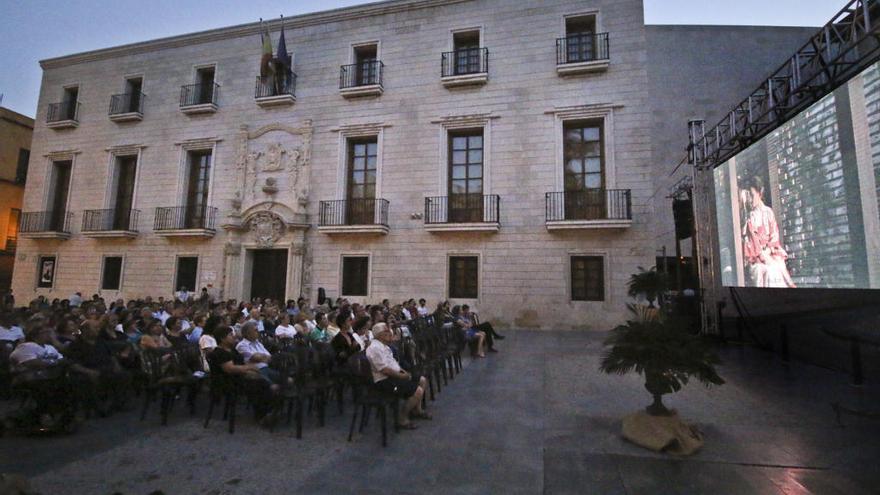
(269, 274)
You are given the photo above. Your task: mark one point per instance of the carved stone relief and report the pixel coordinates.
(266, 227)
(273, 163)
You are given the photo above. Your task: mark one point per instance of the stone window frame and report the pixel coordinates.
(352, 58)
(183, 168)
(603, 113)
(356, 131)
(479, 28)
(194, 75)
(605, 254)
(461, 123)
(104, 257)
(112, 173)
(594, 12)
(356, 254)
(480, 279)
(49, 176)
(199, 260)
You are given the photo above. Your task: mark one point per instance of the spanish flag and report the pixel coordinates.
(266, 65)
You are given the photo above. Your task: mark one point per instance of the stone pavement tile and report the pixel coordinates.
(567, 472)
(686, 477)
(818, 482)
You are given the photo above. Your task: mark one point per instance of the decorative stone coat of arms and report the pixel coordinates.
(266, 228)
(273, 164)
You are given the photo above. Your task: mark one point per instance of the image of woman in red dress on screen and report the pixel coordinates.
(762, 250)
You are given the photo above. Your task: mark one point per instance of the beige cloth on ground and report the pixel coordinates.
(662, 433)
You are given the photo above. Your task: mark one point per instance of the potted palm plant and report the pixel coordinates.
(649, 284)
(659, 346)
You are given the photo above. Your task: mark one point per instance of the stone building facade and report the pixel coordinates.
(429, 175)
(15, 144)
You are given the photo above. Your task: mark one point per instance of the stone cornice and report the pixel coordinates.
(453, 121)
(583, 111)
(250, 29)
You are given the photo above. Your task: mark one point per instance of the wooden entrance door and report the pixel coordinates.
(269, 274)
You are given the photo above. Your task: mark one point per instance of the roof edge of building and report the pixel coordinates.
(16, 118)
(728, 26)
(298, 21)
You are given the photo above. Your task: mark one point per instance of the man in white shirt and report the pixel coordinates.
(250, 347)
(422, 309)
(253, 351)
(390, 378)
(76, 300)
(37, 352)
(182, 295)
(9, 332)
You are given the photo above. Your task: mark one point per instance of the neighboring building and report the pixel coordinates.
(15, 144)
(492, 152)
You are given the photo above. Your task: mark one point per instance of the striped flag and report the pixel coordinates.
(266, 65)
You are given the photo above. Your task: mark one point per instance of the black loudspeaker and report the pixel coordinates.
(683, 213)
(322, 296)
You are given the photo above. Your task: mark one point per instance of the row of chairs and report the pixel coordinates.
(310, 377)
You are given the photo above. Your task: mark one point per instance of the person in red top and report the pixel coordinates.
(762, 249)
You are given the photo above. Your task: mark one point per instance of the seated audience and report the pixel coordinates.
(155, 337)
(253, 352)
(231, 370)
(285, 330)
(390, 378)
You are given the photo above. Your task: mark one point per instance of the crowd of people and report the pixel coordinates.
(100, 348)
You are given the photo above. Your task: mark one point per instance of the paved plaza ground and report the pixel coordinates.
(536, 418)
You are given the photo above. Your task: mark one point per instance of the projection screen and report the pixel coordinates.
(799, 208)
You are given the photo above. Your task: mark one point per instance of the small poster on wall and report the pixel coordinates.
(47, 272)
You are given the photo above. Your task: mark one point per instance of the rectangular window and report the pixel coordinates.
(584, 174)
(361, 181)
(198, 181)
(367, 68)
(21, 170)
(205, 82)
(133, 91)
(46, 272)
(587, 278)
(580, 38)
(464, 277)
(123, 198)
(466, 46)
(185, 277)
(12, 229)
(71, 98)
(111, 276)
(466, 176)
(60, 189)
(355, 275)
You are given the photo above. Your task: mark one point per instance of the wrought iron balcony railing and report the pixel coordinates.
(184, 218)
(589, 204)
(127, 103)
(199, 94)
(345, 212)
(110, 220)
(34, 222)
(66, 110)
(465, 61)
(463, 208)
(277, 85)
(361, 74)
(587, 47)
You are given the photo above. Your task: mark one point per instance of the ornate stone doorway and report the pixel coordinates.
(268, 273)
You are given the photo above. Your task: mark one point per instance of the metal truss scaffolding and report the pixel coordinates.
(839, 51)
